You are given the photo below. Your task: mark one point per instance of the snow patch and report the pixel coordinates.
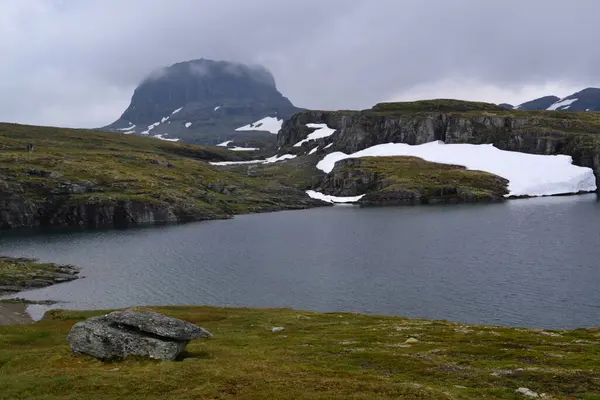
(328, 146)
(128, 128)
(176, 111)
(225, 143)
(266, 161)
(332, 199)
(128, 133)
(561, 103)
(528, 174)
(188, 124)
(322, 131)
(150, 127)
(244, 148)
(313, 151)
(163, 137)
(267, 124)
(164, 119)
(217, 108)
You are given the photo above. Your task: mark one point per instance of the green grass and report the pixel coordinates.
(318, 356)
(120, 167)
(438, 105)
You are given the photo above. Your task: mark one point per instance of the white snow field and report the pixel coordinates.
(266, 161)
(225, 143)
(528, 174)
(237, 148)
(267, 124)
(562, 103)
(188, 124)
(332, 199)
(322, 131)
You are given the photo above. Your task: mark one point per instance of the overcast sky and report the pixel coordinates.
(76, 62)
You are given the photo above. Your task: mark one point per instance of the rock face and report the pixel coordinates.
(204, 101)
(120, 334)
(549, 133)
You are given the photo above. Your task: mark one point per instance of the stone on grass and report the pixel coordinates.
(277, 329)
(120, 334)
(527, 392)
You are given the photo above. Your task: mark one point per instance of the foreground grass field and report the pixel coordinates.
(317, 356)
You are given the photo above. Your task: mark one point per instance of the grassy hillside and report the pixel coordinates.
(318, 356)
(70, 168)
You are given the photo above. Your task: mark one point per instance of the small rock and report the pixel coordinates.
(411, 340)
(277, 329)
(460, 387)
(527, 392)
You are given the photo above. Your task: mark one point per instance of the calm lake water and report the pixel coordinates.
(529, 262)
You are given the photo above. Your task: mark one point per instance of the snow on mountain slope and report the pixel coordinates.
(562, 104)
(265, 161)
(163, 137)
(267, 124)
(132, 126)
(528, 174)
(237, 148)
(322, 131)
(225, 143)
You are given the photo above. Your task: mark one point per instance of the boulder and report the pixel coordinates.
(120, 334)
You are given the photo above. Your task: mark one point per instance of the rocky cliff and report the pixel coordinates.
(204, 101)
(536, 132)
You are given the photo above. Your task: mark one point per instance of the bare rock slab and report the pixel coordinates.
(120, 334)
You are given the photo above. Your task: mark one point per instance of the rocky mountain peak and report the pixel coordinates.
(203, 101)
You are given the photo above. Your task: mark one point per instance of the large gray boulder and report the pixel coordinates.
(126, 333)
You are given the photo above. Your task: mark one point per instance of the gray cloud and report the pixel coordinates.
(76, 63)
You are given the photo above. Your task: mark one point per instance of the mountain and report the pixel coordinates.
(543, 103)
(585, 100)
(204, 102)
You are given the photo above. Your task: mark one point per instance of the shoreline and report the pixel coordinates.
(14, 314)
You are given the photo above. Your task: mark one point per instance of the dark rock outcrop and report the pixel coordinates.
(120, 334)
(93, 213)
(204, 101)
(411, 181)
(18, 274)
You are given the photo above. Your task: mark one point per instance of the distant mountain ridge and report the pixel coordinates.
(585, 100)
(204, 101)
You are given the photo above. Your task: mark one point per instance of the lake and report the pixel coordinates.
(532, 262)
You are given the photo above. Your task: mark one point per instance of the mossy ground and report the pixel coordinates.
(126, 167)
(318, 356)
(432, 180)
(23, 269)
